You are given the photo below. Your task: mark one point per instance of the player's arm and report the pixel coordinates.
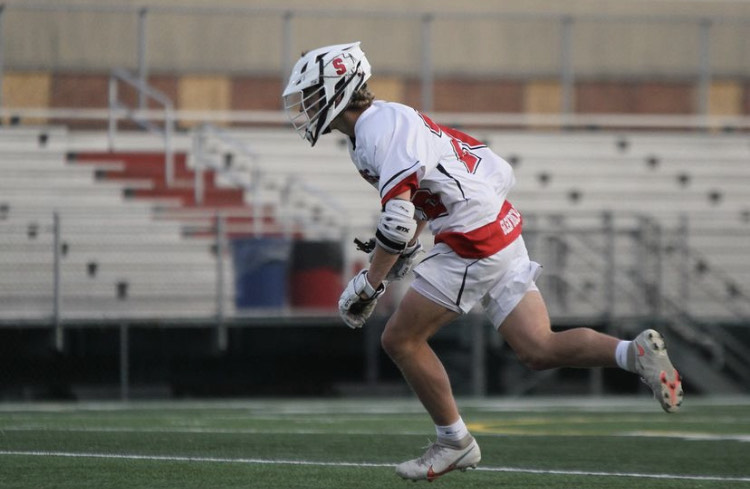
(404, 261)
(382, 262)
(397, 230)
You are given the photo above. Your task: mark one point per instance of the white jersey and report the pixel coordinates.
(457, 183)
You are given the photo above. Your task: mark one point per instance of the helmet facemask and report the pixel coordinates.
(305, 108)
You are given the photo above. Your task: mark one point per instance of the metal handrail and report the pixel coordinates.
(202, 162)
(494, 120)
(292, 183)
(116, 110)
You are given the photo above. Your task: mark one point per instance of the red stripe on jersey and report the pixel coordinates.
(486, 240)
(410, 184)
(462, 136)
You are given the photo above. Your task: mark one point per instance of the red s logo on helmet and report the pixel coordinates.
(338, 63)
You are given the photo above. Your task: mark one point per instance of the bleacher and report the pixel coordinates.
(115, 258)
(132, 246)
(282, 154)
(688, 190)
(692, 172)
(629, 227)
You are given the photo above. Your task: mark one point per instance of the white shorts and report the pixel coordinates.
(498, 282)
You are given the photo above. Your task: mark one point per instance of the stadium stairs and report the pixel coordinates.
(142, 175)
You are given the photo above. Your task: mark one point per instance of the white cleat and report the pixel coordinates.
(439, 459)
(653, 365)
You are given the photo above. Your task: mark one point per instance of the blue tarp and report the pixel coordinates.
(260, 271)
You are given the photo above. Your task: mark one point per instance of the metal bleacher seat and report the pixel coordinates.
(145, 266)
(326, 168)
(675, 179)
(693, 180)
(115, 258)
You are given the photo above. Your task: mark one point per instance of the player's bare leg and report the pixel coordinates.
(528, 331)
(405, 340)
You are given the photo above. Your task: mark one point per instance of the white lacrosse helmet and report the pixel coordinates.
(321, 85)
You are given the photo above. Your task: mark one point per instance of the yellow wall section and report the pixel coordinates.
(388, 88)
(27, 90)
(203, 93)
(725, 98)
(542, 97)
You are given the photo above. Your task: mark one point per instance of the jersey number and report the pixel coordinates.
(423, 199)
(462, 143)
(428, 204)
(469, 159)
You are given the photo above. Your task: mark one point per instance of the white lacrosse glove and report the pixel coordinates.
(406, 260)
(353, 308)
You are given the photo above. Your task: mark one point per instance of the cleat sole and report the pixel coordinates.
(667, 383)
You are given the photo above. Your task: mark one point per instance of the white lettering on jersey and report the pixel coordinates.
(509, 222)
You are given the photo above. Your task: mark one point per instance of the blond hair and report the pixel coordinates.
(361, 99)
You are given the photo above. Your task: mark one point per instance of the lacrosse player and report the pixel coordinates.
(433, 176)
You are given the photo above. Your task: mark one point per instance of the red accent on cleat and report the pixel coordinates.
(672, 386)
(432, 475)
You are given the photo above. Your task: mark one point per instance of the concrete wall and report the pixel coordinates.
(641, 38)
(627, 56)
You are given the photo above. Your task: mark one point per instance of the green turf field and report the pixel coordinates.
(549, 443)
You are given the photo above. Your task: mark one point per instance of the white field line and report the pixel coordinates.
(258, 461)
(208, 431)
(369, 406)
(688, 436)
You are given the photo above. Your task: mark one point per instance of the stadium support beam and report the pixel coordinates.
(124, 362)
(222, 339)
(287, 41)
(704, 66)
(57, 292)
(478, 356)
(567, 76)
(2, 51)
(142, 56)
(428, 77)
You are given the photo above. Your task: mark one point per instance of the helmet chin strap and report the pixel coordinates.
(319, 124)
